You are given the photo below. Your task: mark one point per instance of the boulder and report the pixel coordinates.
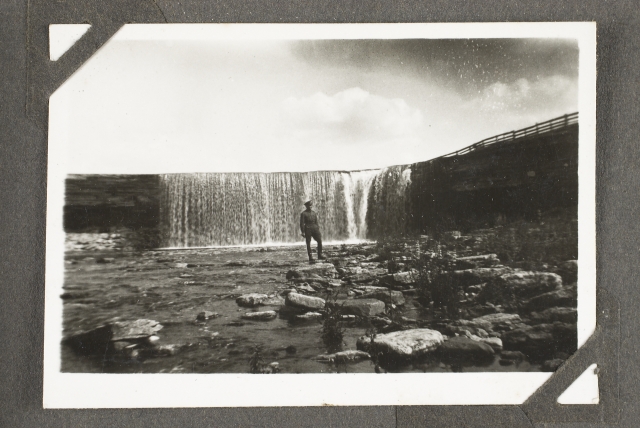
(304, 302)
(325, 270)
(343, 356)
(251, 300)
(568, 315)
(565, 297)
(464, 348)
(402, 344)
(260, 316)
(528, 284)
(363, 307)
(387, 296)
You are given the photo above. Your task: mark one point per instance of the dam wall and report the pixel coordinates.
(519, 174)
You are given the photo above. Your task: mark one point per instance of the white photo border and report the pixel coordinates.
(74, 390)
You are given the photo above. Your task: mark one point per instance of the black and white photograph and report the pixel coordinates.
(398, 210)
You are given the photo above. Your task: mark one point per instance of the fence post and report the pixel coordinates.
(566, 120)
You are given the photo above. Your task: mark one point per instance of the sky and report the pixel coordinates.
(162, 106)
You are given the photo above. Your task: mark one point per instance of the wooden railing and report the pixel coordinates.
(537, 129)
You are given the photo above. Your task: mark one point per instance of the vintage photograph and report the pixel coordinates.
(318, 205)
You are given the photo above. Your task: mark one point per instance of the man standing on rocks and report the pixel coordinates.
(310, 229)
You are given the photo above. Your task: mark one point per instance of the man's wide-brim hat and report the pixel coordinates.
(307, 203)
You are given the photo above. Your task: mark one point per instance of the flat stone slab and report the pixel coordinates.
(402, 344)
(260, 316)
(305, 302)
(363, 307)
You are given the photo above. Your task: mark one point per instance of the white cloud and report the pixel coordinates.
(352, 116)
(554, 93)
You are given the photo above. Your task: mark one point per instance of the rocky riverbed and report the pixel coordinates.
(266, 310)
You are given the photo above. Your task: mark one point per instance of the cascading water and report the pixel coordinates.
(389, 202)
(217, 209)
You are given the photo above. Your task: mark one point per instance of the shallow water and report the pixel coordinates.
(156, 285)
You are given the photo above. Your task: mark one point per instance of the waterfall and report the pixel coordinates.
(389, 210)
(213, 209)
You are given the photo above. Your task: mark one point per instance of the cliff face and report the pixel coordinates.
(515, 177)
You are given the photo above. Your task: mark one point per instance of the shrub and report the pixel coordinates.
(256, 363)
(332, 330)
(435, 280)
